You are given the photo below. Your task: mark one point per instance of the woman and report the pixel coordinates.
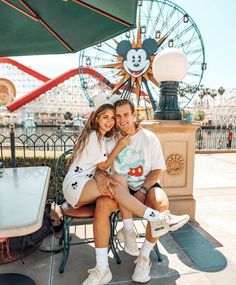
(90, 153)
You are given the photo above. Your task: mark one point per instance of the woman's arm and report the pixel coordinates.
(123, 142)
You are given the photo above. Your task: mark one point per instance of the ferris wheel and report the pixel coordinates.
(123, 65)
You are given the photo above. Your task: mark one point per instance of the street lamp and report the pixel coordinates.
(169, 67)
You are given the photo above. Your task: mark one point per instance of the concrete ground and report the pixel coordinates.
(201, 253)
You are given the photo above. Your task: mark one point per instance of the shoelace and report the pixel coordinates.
(131, 234)
(140, 258)
(164, 220)
(143, 261)
(94, 273)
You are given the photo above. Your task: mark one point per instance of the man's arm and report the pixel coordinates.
(152, 178)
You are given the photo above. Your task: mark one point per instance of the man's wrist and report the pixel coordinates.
(144, 189)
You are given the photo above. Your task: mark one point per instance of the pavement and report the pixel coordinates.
(203, 252)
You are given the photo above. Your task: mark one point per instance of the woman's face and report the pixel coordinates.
(106, 121)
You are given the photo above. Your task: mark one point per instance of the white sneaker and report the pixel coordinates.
(142, 269)
(166, 223)
(129, 239)
(98, 276)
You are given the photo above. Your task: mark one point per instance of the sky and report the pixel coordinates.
(216, 20)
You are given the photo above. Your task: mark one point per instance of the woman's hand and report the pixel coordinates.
(123, 142)
(105, 184)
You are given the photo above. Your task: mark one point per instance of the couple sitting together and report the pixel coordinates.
(119, 167)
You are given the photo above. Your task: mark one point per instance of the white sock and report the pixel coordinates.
(101, 258)
(146, 248)
(151, 215)
(128, 224)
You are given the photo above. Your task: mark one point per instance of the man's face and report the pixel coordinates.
(125, 120)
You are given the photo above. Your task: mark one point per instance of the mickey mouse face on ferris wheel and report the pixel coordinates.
(136, 60)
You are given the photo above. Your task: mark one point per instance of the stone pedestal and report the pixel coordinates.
(178, 143)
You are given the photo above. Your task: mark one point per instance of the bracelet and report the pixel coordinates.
(143, 189)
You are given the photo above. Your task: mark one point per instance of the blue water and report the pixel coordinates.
(38, 131)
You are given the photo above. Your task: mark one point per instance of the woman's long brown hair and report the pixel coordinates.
(91, 125)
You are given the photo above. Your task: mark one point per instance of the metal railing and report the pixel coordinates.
(34, 145)
(214, 138)
(53, 145)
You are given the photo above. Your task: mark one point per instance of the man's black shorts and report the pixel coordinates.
(132, 192)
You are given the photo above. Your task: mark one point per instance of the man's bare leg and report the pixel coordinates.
(127, 233)
(156, 199)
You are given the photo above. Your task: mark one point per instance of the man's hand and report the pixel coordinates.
(105, 184)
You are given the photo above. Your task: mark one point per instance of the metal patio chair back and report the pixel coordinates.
(71, 216)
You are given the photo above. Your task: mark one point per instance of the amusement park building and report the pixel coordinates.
(224, 112)
(220, 110)
(51, 103)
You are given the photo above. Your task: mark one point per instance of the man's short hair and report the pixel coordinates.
(122, 102)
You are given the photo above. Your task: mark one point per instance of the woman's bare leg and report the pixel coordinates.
(89, 194)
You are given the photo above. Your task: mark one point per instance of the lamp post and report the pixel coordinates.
(169, 67)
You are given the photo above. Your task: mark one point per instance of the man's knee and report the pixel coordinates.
(105, 206)
(120, 179)
(157, 199)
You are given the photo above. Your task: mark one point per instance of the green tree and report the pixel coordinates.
(68, 116)
(199, 115)
(185, 114)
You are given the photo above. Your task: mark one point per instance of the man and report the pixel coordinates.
(140, 164)
(230, 137)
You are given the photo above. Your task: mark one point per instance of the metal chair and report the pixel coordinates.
(71, 216)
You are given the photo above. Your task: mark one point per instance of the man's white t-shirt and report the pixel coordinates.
(143, 155)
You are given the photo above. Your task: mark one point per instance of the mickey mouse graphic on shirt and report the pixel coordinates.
(136, 60)
(130, 163)
(78, 169)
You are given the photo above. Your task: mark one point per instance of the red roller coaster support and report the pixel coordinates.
(13, 106)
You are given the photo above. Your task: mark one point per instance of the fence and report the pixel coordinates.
(33, 146)
(52, 146)
(214, 138)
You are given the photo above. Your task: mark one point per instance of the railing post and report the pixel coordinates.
(12, 145)
(200, 139)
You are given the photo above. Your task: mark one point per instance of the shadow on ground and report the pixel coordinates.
(200, 247)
